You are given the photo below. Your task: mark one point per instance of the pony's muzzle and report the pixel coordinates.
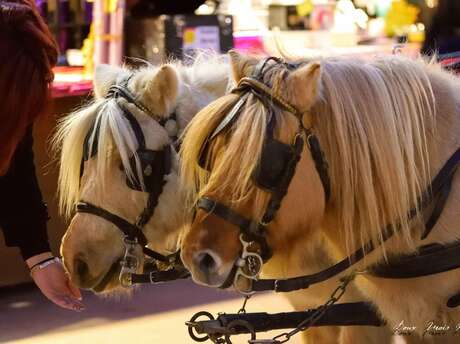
(81, 274)
(208, 264)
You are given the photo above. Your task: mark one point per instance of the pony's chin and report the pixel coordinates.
(110, 281)
(213, 281)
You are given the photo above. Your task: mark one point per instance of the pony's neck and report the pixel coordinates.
(442, 139)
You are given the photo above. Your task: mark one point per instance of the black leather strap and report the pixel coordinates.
(442, 179)
(282, 188)
(344, 314)
(213, 207)
(130, 230)
(251, 229)
(136, 127)
(428, 260)
(160, 276)
(320, 162)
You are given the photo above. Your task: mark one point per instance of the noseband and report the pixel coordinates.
(274, 173)
(155, 166)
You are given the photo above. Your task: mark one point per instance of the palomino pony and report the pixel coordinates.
(377, 132)
(102, 165)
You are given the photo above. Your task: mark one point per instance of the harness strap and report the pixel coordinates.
(446, 176)
(160, 276)
(439, 183)
(320, 162)
(281, 191)
(249, 228)
(131, 231)
(428, 260)
(136, 127)
(344, 314)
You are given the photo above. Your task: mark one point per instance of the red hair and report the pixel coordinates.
(28, 53)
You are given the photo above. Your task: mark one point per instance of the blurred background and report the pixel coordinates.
(121, 31)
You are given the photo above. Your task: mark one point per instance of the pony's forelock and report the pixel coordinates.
(114, 133)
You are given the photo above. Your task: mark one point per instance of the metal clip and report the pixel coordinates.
(129, 264)
(248, 265)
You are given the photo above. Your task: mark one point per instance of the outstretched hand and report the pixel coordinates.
(55, 284)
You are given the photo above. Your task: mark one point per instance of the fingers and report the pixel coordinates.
(74, 290)
(67, 302)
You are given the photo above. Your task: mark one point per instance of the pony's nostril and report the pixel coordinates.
(81, 268)
(206, 262)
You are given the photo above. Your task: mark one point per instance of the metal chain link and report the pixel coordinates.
(318, 313)
(242, 310)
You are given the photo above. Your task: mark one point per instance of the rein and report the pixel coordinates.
(133, 232)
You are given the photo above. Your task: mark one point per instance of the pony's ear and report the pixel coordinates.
(304, 85)
(242, 65)
(104, 77)
(161, 91)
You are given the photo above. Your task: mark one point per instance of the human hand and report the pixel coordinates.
(55, 284)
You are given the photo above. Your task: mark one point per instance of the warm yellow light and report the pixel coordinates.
(431, 3)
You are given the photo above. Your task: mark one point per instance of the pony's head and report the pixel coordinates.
(103, 163)
(232, 172)
(229, 159)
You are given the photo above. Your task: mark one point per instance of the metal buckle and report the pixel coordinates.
(250, 260)
(130, 262)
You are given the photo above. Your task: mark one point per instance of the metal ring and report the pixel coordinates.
(192, 324)
(260, 263)
(243, 292)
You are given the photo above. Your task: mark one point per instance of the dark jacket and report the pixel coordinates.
(23, 215)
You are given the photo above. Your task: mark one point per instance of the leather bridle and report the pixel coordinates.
(254, 231)
(133, 232)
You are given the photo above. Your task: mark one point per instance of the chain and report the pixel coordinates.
(242, 310)
(318, 313)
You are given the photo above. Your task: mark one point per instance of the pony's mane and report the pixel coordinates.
(372, 119)
(114, 132)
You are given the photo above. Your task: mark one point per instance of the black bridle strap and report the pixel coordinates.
(444, 177)
(122, 90)
(320, 162)
(131, 231)
(160, 276)
(282, 188)
(213, 207)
